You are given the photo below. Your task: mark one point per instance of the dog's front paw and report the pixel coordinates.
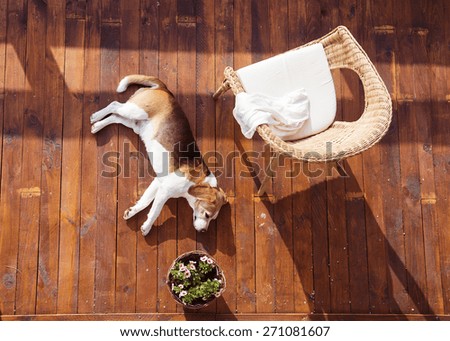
(93, 118)
(145, 229)
(96, 127)
(128, 213)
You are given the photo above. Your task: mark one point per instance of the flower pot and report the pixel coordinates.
(194, 273)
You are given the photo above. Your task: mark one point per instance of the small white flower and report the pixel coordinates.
(209, 261)
(180, 286)
(187, 273)
(204, 259)
(191, 266)
(183, 293)
(182, 267)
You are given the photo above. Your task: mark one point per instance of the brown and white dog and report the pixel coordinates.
(154, 114)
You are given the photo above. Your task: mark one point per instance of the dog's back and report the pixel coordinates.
(170, 125)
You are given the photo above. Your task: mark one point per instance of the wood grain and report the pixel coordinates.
(410, 174)
(167, 223)
(71, 171)
(89, 166)
(245, 234)
(301, 195)
(13, 107)
(147, 250)
(46, 300)
(127, 182)
(31, 156)
(107, 149)
(352, 105)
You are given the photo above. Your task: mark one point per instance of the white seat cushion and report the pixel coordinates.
(306, 68)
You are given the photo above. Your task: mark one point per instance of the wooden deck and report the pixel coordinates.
(372, 245)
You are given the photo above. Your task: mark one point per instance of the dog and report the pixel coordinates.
(154, 114)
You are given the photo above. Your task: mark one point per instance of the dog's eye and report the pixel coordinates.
(207, 215)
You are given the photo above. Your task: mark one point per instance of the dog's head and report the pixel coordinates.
(207, 205)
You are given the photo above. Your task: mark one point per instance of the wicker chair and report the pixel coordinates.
(346, 138)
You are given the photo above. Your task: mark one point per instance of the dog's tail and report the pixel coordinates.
(148, 81)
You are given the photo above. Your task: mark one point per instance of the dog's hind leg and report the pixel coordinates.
(111, 108)
(160, 199)
(146, 199)
(97, 126)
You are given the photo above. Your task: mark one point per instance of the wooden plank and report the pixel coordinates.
(302, 242)
(375, 228)
(224, 122)
(352, 105)
(127, 231)
(89, 167)
(422, 112)
(205, 120)
(245, 233)
(47, 284)
(440, 129)
(266, 271)
(265, 227)
(316, 172)
(217, 35)
(423, 70)
(321, 294)
(166, 229)
(385, 61)
(3, 26)
(336, 212)
(12, 145)
(436, 215)
(410, 176)
(200, 114)
(376, 243)
(107, 141)
(147, 248)
(70, 171)
(186, 96)
(338, 252)
(301, 195)
(282, 184)
(411, 210)
(31, 156)
(434, 298)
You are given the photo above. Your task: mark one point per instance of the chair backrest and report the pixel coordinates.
(305, 68)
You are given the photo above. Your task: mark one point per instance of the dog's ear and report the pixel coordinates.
(202, 192)
(205, 192)
(223, 196)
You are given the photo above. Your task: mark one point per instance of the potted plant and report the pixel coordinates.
(195, 279)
